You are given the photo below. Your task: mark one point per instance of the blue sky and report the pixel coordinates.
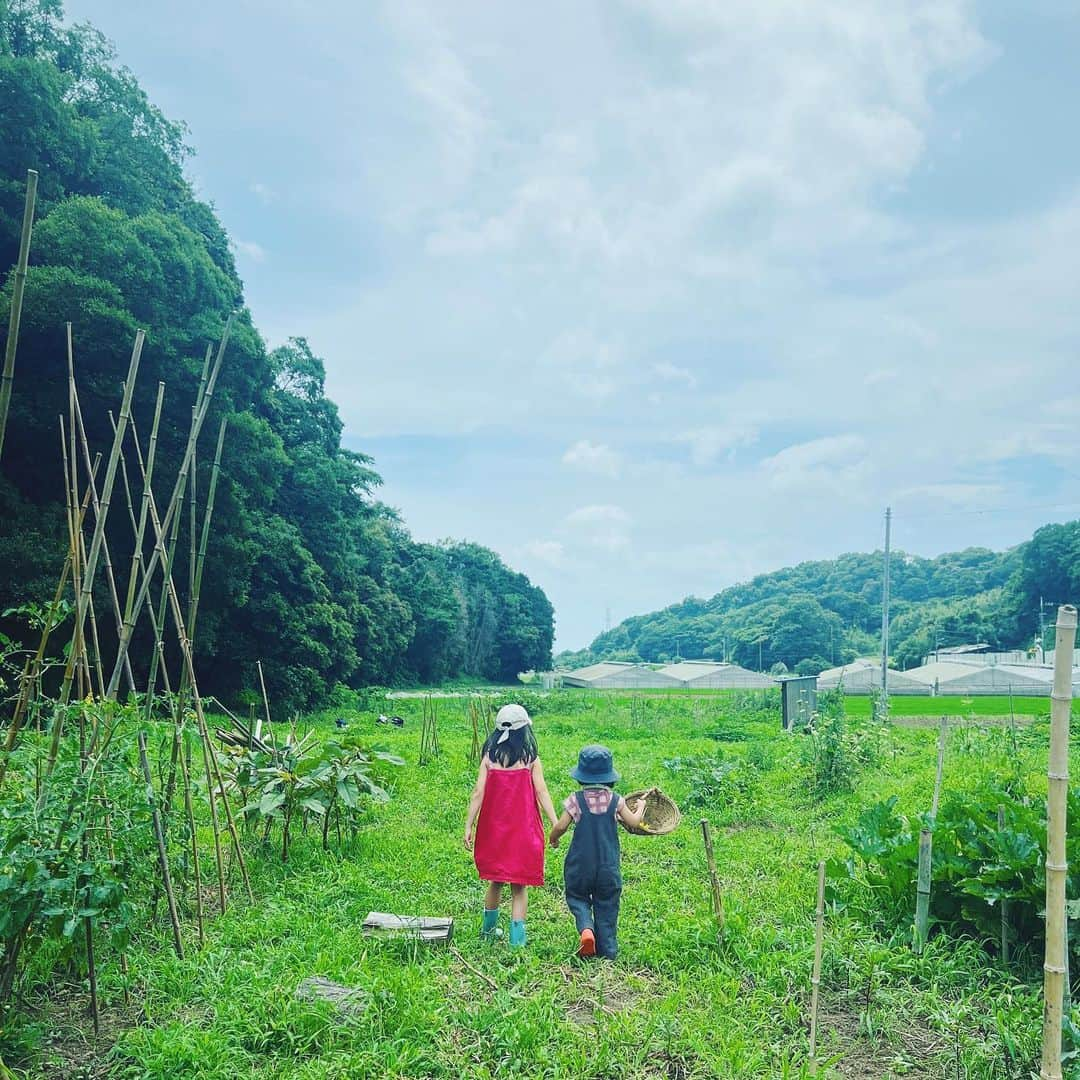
(653, 295)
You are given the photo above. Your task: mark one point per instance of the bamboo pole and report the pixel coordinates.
(213, 772)
(173, 508)
(204, 541)
(26, 691)
(1057, 773)
(185, 766)
(1004, 903)
(106, 558)
(266, 704)
(159, 644)
(15, 315)
(926, 850)
(99, 526)
(159, 836)
(714, 880)
(815, 978)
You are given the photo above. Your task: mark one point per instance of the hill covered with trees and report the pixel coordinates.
(817, 614)
(307, 570)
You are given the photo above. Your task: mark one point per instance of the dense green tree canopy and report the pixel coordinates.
(307, 570)
(811, 616)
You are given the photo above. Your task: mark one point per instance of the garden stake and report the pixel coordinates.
(15, 315)
(137, 563)
(815, 978)
(1056, 868)
(926, 849)
(26, 691)
(213, 773)
(1004, 903)
(159, 836)
(185, 766)
(95, 544)
(144, 589)
(266, 704)
(106, 558)
(714, 881)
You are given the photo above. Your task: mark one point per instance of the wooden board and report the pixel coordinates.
(346, 1000)
(424, 928)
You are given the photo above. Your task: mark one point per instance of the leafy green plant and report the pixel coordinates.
(303, 780)
(727, 786)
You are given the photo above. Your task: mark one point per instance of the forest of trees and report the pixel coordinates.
(818, 614)
(307, 570)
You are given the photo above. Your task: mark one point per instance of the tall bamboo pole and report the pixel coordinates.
(173, 508)
(106, 558)
(159, 644)
(148, 476)
(204, 540)
(926, 850)
(106, 498)
(1003, 902)
(159, 836)
(185, 766)
(815, 978)
(15, 315)
(1054, 966)
(213, 772)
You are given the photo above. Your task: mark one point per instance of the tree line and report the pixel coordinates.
(307, 569)
(816, 615)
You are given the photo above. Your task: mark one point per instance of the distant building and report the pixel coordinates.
(715, 675)
(617, 675)
(863, 676)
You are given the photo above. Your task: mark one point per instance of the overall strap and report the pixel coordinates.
(583, 806)
(613, 806)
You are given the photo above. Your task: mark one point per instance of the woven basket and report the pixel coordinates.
(661, 814)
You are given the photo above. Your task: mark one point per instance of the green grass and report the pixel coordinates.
(679, 1002)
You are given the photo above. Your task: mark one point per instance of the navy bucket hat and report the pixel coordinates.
(594, 766)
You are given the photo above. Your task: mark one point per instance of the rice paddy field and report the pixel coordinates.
(682, 1001)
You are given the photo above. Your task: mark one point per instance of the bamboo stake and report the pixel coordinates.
(815, 978)
(266, 704)
(107, 559)
(204, 541)
(714, 880)
(926, 850)
(26, 691)
(185, 766)
(99, 526)
(15, 315)
(159, 836)
(159, 644)
(1057, 773)
(144, 589)
(213, 772)
(1004, 903)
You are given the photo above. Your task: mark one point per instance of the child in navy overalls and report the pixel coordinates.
(591, 871)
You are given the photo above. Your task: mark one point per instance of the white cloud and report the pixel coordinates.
(250, 250)
(668, 372)
(598, 514)
(708, 443)
(550, 552)
(591, 457)
(836, 464)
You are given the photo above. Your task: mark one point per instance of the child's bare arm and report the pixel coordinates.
(633, 818)
(560, 827)
(475, 800)
(543, 796)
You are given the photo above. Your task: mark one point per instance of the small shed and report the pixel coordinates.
(798, 698)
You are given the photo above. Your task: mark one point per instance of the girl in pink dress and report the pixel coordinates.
(508, 839)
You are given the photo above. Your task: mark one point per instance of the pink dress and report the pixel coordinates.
(509, 834)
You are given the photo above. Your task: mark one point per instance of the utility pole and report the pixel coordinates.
(885, 616)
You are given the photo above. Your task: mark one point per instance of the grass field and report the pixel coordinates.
(678, 1004)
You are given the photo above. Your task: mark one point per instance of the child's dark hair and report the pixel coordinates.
(519, 746)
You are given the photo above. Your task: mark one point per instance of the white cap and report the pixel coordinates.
(510, 718)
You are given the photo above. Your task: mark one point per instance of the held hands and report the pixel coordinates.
(553, 840)
(468, 838)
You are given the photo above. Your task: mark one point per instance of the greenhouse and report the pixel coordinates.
(616, 675)
(715, 675)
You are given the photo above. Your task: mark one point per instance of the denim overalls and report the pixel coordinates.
(592, 877)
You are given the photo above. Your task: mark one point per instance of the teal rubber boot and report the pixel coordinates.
(488, 928)
(517, 933)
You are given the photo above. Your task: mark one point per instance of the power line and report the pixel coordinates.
(993, 510)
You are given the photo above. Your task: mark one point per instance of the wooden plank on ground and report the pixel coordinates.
(424, 928)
